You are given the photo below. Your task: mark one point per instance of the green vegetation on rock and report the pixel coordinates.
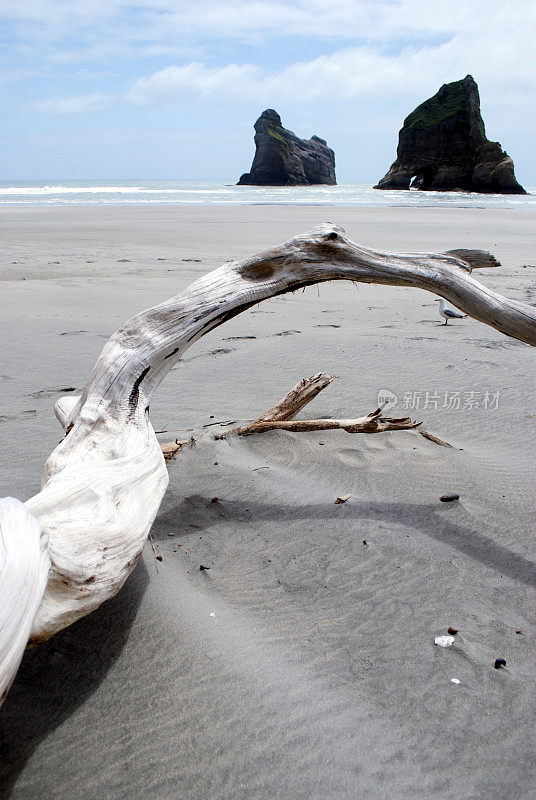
(278, 132)
(448, 102)
(442, 146)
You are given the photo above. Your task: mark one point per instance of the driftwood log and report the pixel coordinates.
(371, 423)
(102, 486)
(281, 416)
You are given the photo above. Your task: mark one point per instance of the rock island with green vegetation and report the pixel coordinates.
(443, 147)
(282, 159)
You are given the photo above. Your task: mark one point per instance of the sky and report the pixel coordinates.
(170, 89)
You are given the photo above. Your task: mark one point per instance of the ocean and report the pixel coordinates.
(180, 192)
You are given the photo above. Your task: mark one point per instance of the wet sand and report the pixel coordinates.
(302, 663)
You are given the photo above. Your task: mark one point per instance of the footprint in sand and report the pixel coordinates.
(491, 345)
(220, 351)
(486, 363)
(51, 392)
(32, 412)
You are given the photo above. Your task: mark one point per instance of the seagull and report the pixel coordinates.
(448, 313)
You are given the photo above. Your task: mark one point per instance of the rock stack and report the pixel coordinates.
(443, 147)
(282, 159)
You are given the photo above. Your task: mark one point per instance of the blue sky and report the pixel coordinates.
(171, 89)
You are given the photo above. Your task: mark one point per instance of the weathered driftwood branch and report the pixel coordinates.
(280, 417)
(298, 397)
(433, 438)
(103, 484)
(287, 408)
(372, 423)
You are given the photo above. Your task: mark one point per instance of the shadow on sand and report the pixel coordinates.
(57, 677)
(200, 514)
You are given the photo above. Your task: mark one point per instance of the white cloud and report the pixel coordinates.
(172, 24)
(376, 49)
(72, 105)
(356, 72)
(163, 85)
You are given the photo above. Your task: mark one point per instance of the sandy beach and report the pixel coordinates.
(302, 664)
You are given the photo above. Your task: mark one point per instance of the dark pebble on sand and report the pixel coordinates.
(499, 662)
(159, 558)
(215, 500)
(448, 498)
(202, 568)
(452, 631)
(364, 541)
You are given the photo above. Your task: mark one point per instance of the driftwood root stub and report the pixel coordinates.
(103, 484)
(476, 259)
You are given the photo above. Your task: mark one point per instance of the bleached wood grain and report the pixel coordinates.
(24, 566)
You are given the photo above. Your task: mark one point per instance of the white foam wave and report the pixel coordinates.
(167, 192)
(48, 190)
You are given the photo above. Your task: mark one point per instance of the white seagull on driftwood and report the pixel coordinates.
(448, 313)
